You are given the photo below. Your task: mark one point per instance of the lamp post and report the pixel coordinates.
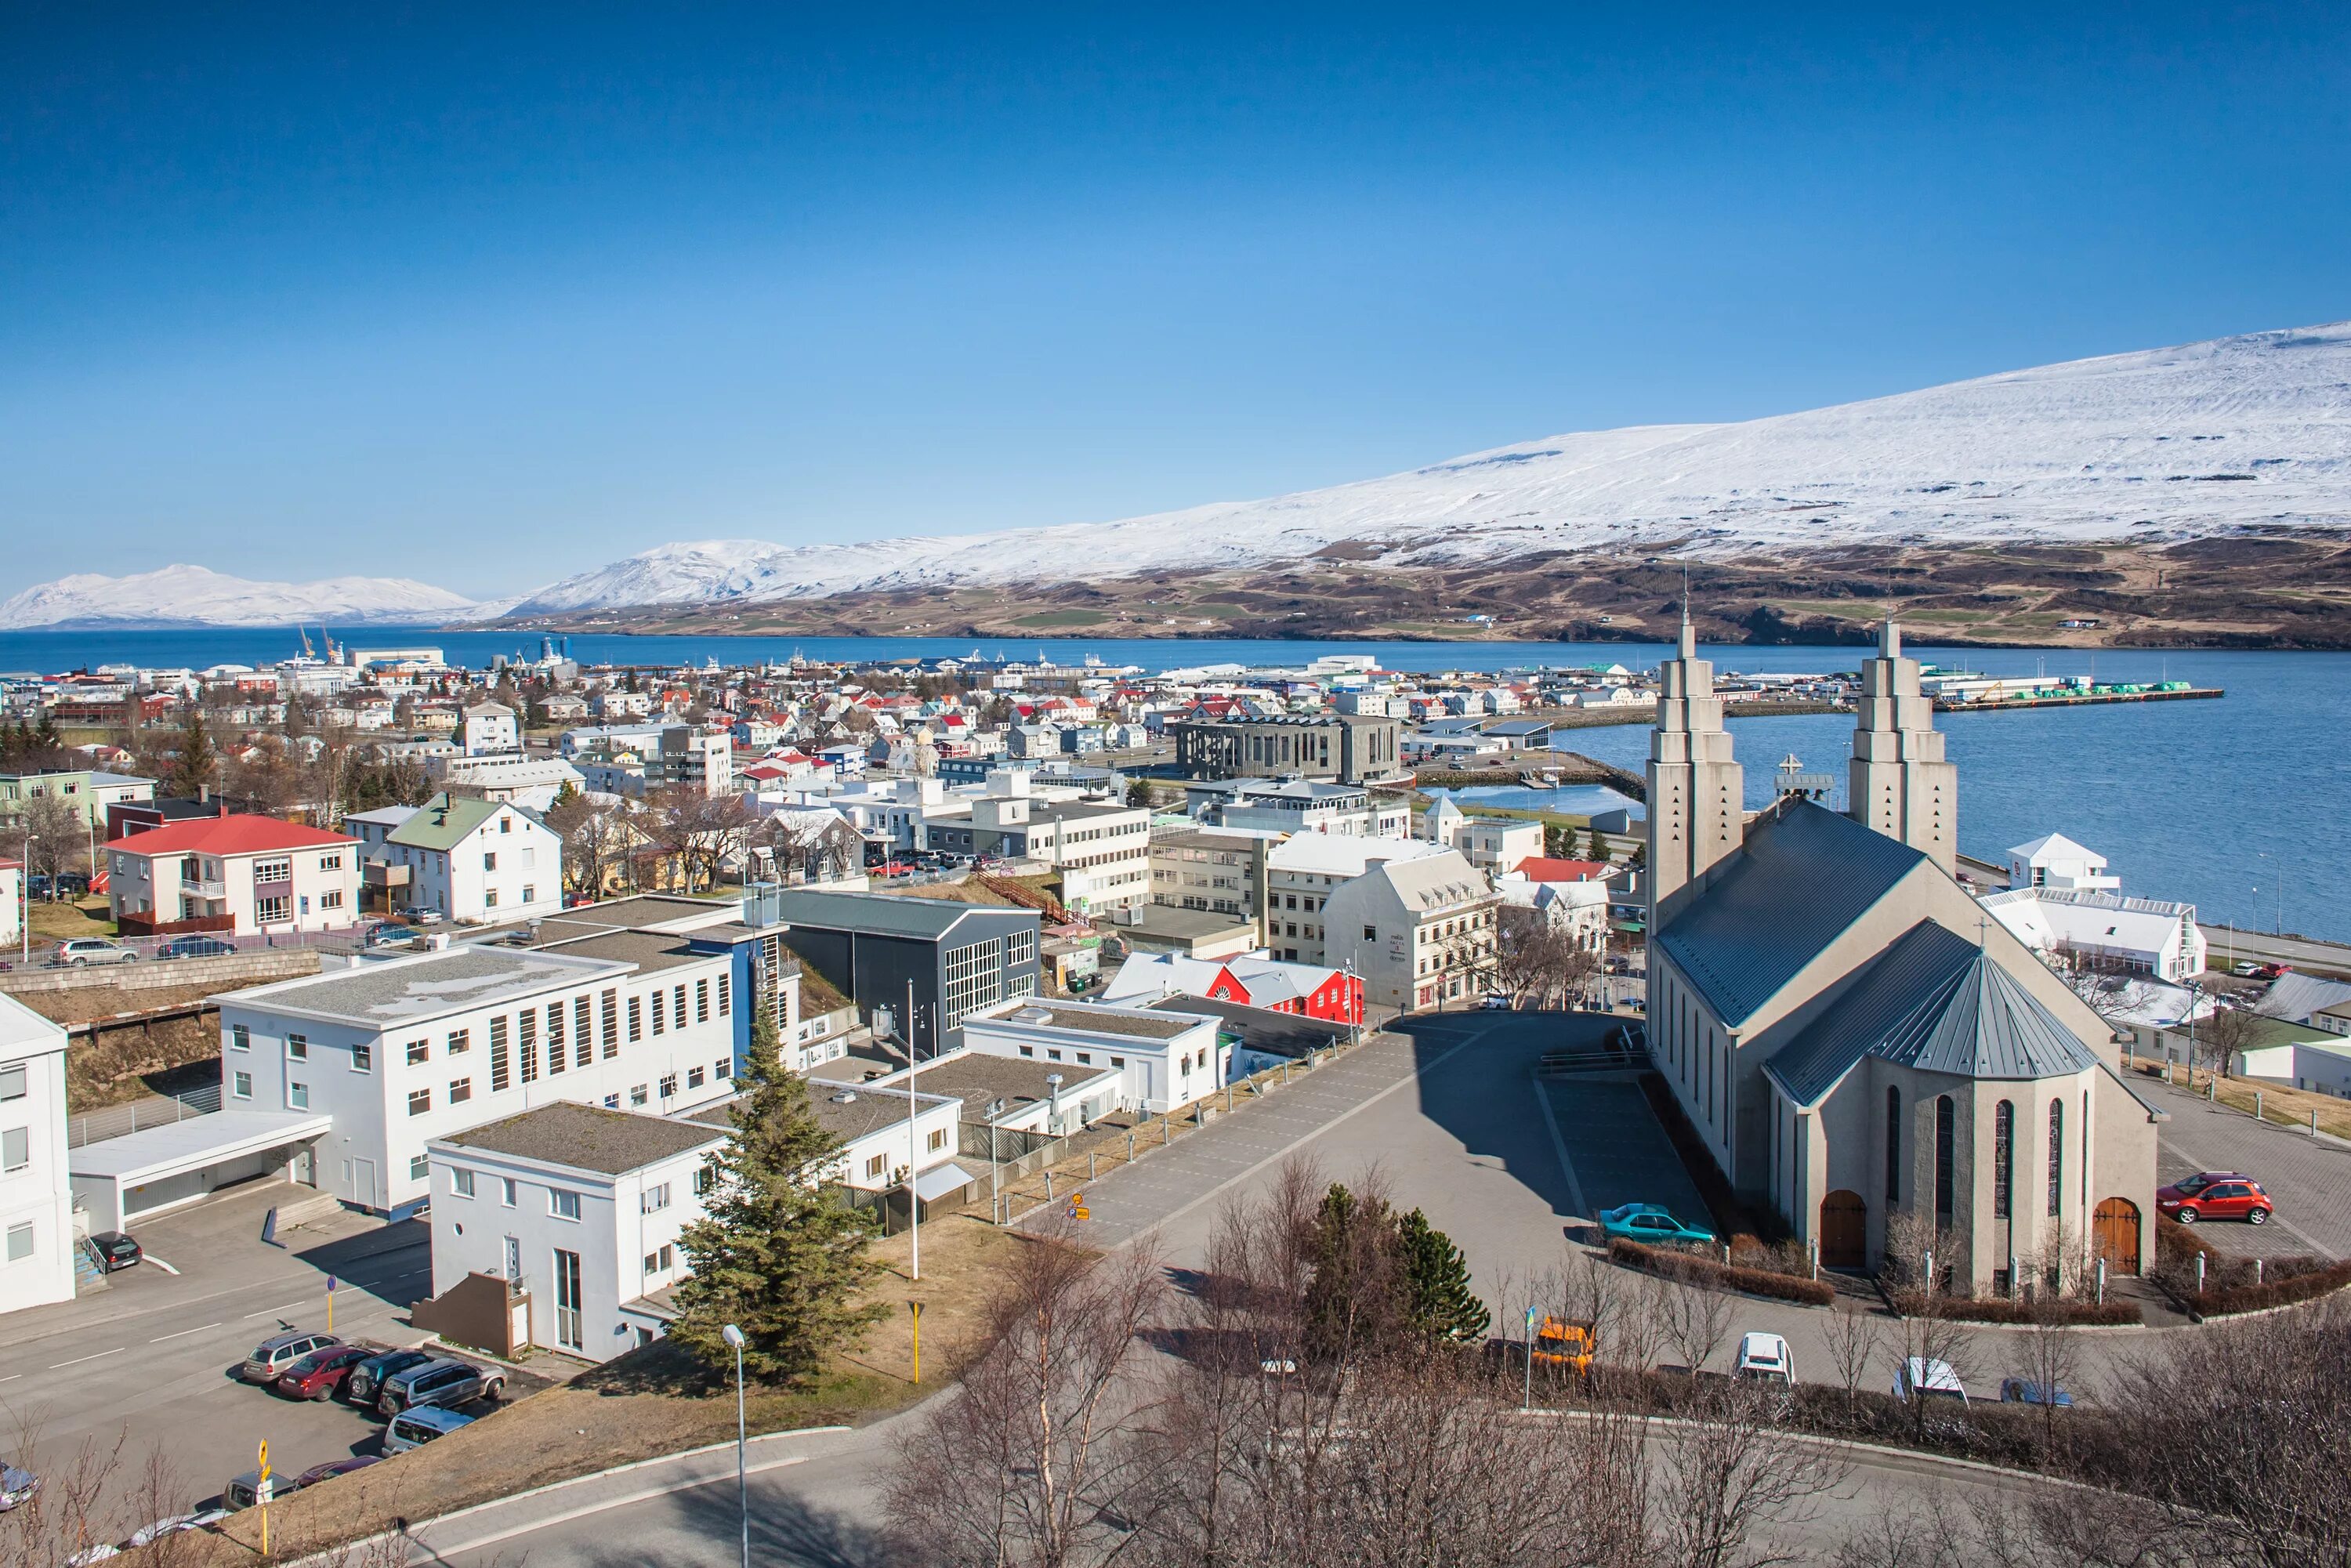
(733, 1338)
(914, 1155)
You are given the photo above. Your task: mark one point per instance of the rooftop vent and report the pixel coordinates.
(846, 1097)
(1034, 1015)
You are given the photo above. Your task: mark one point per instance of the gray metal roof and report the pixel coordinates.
(1937, 1002)
(883, 913)
(406, 991)
(1804, 876)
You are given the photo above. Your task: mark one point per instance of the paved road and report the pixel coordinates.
(2233, 946)
(155, 1354)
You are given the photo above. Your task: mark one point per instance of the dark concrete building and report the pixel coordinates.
(1349, 748)
(957, 958)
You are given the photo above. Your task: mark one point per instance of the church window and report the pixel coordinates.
(2056, 1154)
(1893, 1145)
(1946, 1160)
(2003, 1157)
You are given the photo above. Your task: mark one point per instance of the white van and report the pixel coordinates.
(415, 1428)
(1765, 1357)
(1931, 1379)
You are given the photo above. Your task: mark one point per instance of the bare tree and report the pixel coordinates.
(1537, 961)
(1641, 1326)
(1017, 1468)
(596, 837)
(2225, 1034)
(2052, 1355)
(59, 834)
(68, 1514)
(1697, 1318)
(700, 830)
(1730, 1472)
(1855, 1338)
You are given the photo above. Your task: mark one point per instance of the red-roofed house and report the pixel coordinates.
(1548, 868)
(241, 873)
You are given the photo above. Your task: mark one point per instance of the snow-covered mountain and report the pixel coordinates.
(194, 596)
(2158, 444)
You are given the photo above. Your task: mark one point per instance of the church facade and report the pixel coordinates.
(1861, 1049)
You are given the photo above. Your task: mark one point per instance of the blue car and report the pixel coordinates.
(1653, 1227)
(2023, 1391)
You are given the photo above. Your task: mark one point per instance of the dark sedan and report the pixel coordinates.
(116, 1251)
(195, 947)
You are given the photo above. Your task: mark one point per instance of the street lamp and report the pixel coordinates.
(733, 1338)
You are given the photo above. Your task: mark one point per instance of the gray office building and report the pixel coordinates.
(1349, 748)
(874, 947)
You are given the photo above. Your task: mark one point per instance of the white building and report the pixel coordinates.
(490, 730)
(12, 903)
(2055, 861)
(2104, 931)
(531, 782)
(476, 861)
(245, 875)
(879, 1139)
(401, 1051)
(37, 1236)
(582, 1206)
(1165, 1061)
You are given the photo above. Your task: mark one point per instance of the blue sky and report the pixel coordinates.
(487, 294)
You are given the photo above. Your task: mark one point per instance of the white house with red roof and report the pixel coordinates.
(1311, 991)
(234, 872)
(1572, 893)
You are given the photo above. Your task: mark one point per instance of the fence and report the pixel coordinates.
(39, 953)
(116, 1121)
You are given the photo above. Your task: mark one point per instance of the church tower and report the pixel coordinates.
(1899, 783)
(1697, 793)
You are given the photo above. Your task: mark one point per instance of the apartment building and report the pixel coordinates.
(490, 729)
(1350, 748)
(888, 951)
(1304, 872)
(36, 1236)
(1102, 851)
(1164, 1060)
(88, 791)
(1413, 920)
(239, 874)
(1207, 869)
(472, 860)
(1298, 806)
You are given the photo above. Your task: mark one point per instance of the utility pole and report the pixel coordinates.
(914, 1194)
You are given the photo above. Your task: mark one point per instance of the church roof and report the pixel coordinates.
(1805, 874)
(1936, 1002)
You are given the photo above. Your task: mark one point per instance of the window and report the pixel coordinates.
(637, 1094)
(938, 1139)
(419, 1168)
(1946, 1159)
(2003, 1157)
(555, 1035)
(330, 862)
(1371, 933)
(12, 1082)
(489, 898)
(331, 898)
(636, 1020)
(974, 976)
(499, 1077)
(419, 1052)
(669, 1086)
(723, 989)
(677, 1006)
(819, 1027)
(656, 1198)
(505, 824)
(583, 1028)
(1020, 948)
(274, 911)
(461, 1182)
(298, 1096)
(705, 1180)
(609, 1009)
(506, 1191)
(419, 1102)
(529, 893)
(1028, 1050)
(661, 1012)
(298, 1048)
(461, 1040)
(279, 868)
(528, 1021)
(362, 1059)
(561, 1204)
(460, 1090)
(874, 1166)
(15, 1148)
(723, 1068)
(20, 1242)
(702, 1001)
(694, 1077)
(490, 860)
(240, 1036)
(241, 1085)
(1893, 1145)
(2056, 1154)
(1118, 1062)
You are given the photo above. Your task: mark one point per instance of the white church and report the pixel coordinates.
(1853, 1036)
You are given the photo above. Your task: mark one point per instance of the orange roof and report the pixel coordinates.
(238, 835)
(1546, 868)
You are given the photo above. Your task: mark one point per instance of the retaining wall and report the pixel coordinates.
(226, 972)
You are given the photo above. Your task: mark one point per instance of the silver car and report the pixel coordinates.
(273, 1356)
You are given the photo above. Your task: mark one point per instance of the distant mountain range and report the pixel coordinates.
(2217, 437)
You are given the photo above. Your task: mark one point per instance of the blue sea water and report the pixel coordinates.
(2242, 806)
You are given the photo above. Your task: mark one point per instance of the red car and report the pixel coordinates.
(2215, 1195)
(319, 1374)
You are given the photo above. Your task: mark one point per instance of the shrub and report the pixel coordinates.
(1692, 1269)
(2284, 1282)
(2000, 1310)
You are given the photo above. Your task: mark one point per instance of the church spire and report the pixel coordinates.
(1697, 792)
(1898, 782)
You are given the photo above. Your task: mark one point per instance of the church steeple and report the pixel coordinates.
(1899, 783)
(1697, 793)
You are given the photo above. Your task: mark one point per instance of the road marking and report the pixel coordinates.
(11, 1377)
(160, 1264)
(183, 1332)
(454, 1549)
(1559, 1147)
(77, 1361)
(280, 1311)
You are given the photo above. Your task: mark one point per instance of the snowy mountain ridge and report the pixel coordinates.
(2154, 445)
(196, 596)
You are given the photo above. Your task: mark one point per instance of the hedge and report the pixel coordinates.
(1691, 1269)
(2000, 1310)
(2230, 1300)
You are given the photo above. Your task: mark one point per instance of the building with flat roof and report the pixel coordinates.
(887, 951)
(1350, 748)
(1165, 1059)
(37, 1236)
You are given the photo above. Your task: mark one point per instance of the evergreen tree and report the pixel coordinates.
(1351, 1305)
(774, 1254)
(1439, 1302)
(1597, 847)
(46, 740)
(193, 766)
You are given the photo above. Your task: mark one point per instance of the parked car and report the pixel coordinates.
(17, 1486)
(1494, 1002)
(334, 1467)
(388, 934)
(415, 1428)
(195, 947)
(2272, 971)
(1653, 1227)
(443, 1381)
(419, 915)
(367, 1377)
(245, 1491)
(147, 1535)
(1566, 1344)
(2245, 970)
(1765, 1358)
(1930, 1378)
(273, 1356)
(73, 884)
(79, 951)
(2023, 1391)
(2215, 1195)
(318, 1375)
(114, 1249)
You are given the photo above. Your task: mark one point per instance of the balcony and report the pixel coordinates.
(199, 888)
(382, 875)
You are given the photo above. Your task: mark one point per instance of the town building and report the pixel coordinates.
(1856, 1043)
(885, 1135)
(88, 791)
(490, 730)
(2055, 861)
(1353, 748)
(1311, 991)
(1164, 1060)
(2104, 932)
(36, 1233)
(1204, 869)
(472, 860)
(1297, 806)
(241, 874)
(889, 952)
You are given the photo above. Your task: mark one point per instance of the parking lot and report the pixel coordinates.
(154, 1358)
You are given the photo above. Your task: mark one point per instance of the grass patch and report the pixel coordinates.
(1064, 618)
(65, 918)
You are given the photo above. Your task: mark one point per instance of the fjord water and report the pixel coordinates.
(2242, 806)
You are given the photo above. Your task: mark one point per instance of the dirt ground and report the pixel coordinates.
(656, 1401)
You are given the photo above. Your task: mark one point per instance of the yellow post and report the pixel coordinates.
(262, 1487)
(916, 1308)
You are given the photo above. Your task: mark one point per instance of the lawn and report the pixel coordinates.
(85, 917)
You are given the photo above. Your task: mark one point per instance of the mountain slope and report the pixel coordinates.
(2163, 443)
(194, 596)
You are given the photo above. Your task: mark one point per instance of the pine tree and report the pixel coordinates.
(1440, 1302)
(191, 766)
(774, 1254)
(46, 740)
(1597, 847)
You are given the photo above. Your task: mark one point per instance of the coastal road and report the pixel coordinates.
(2230, 945)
